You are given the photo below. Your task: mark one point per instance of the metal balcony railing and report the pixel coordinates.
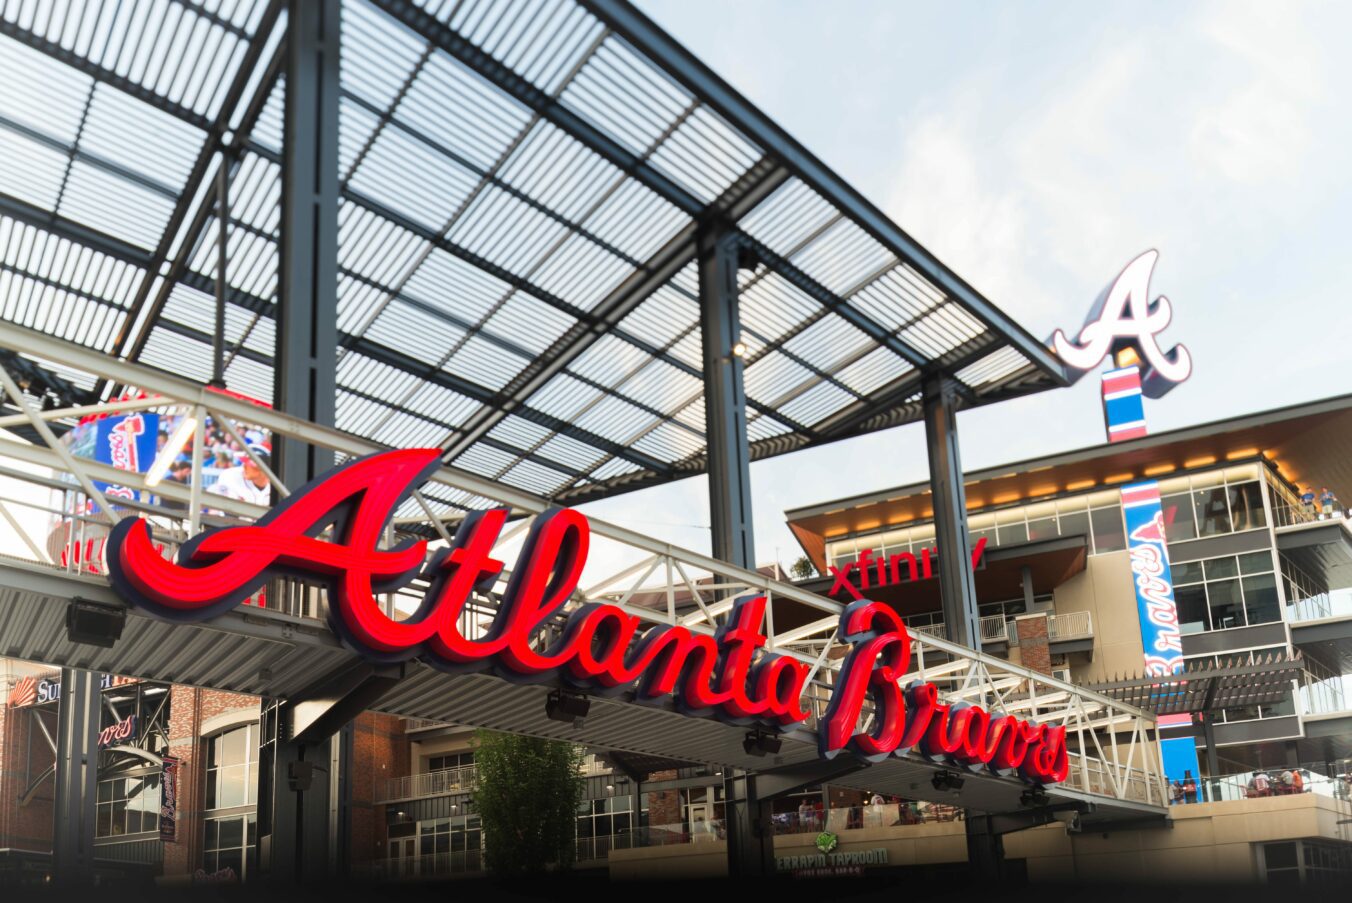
(1337, 604)
(430, 783)
(994, 628)
(1071, 625)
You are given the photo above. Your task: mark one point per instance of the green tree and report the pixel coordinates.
(528, 794)
(802, 568)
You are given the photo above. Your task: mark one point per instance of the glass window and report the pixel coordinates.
(127, 805)
(1260, 599)
(1255, 562)
(229, 844)
(1178, 519)
(1226, 604)
(1109, 533)
(232, 768)
(1216, 568)
(1213, 517)
(1186, 572)
(1074, 523)
(1010, 534)
(1192, 609)
(1246, 506)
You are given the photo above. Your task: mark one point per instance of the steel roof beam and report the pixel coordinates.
(548, 108)
(668, 261)
(215, 132)
(78, 233)
(654, 43)
(830, 300)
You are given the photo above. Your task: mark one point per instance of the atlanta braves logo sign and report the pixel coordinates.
(1122, 316)
(597, 647)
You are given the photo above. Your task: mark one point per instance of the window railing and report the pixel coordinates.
(1070, 625)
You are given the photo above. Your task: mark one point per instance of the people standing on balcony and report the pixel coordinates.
(1327, 501)
(1189, 787)
(1307, 500)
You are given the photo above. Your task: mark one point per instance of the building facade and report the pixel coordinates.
(1259, 574)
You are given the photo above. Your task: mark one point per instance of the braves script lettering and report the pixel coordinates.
(599, 648)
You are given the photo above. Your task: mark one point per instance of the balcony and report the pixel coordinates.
(430, 783)
(994, 629)
(461, 780)
(1070, 626)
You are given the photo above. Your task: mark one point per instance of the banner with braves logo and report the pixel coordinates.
(1155, 607)
(127, 442)
(169, 800)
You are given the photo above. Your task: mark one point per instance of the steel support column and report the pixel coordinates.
(746, 820)
(307, 314)
(77, 755)
(725, 400)
(957, 588)
(296, 826)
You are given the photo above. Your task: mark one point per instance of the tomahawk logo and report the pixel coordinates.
(1151, 531)
(1124, 316)
(25, 692)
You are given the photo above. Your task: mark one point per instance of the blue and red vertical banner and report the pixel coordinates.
(1155, 608)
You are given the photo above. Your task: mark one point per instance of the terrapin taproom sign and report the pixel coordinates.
(602, 650)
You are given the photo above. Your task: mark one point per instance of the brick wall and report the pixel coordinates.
(24, 827)
(379, 752)
(188, 708)
(1034, 653)
(664, 806)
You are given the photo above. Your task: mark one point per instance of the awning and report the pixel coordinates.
(1206, 687)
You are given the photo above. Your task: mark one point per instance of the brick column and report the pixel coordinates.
(664, 806)
(379, 752)
(1033, 650)
(183, 856)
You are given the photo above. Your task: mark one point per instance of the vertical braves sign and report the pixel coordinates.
(1149, 551)
(598, 648)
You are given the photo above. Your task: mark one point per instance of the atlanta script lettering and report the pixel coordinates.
(598, 647)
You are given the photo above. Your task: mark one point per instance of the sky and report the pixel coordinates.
(1036, 148)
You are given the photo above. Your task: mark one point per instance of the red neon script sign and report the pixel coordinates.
(601, 648)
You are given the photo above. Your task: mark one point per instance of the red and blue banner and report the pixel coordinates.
(127, 442)
(1123, 409)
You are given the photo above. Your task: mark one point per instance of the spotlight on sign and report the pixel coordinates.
(569, 708)
(759, 744)
(93, 624)
(947, 781)
(1034, 798)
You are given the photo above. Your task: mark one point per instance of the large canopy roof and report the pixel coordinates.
(521, 184)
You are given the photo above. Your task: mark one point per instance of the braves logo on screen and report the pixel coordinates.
(1124, 316)
(600, 647)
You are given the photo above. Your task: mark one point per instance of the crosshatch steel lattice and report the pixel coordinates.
(521, 184)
